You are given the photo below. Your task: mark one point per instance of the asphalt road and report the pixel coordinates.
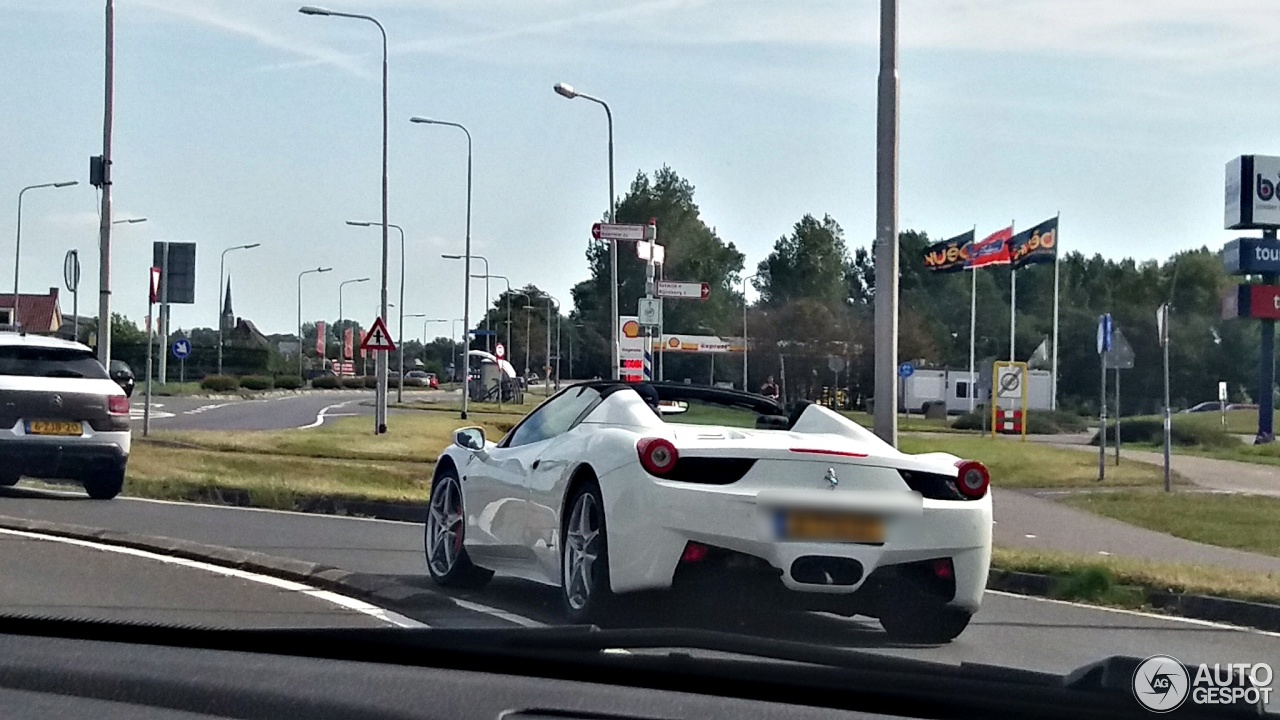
(1010, 630)
(277, 412)
(54, 578)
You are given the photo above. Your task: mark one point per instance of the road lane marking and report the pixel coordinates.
(321, 415)
(350, 603)
(1139, 613)
(510, 617)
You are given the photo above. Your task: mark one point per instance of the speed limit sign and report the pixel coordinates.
(501, 351)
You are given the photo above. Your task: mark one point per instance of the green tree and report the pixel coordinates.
(809, 263)
(694, 252)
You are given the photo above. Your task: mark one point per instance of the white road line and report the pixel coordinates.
(1138, 613)
(384, 615)
(321, 415)
(510, 617)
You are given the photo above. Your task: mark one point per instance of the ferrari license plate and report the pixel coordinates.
(817, 526)
(53, 427)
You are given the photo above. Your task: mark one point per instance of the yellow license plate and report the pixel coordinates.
(53, 427)
(830, 527)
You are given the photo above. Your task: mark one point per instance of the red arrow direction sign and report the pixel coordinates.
(378, 338)
(607, 231)
(683, 290)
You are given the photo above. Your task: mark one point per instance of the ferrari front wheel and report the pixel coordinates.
(585, 557)
(447, 559)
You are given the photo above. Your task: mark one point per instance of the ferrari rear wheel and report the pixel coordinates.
(925, 622)
(585, 557)
(447, 559)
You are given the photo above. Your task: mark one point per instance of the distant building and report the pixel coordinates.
(239, 331)
(38, 314)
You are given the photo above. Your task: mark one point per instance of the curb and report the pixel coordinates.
(377, 589)
(1244, 613)
(397, 512)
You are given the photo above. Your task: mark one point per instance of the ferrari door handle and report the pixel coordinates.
(535, 464)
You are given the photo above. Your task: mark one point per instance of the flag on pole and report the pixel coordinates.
(347, 341)
(1038, 244)
(948, 256)
(321, 336)
(991, 250)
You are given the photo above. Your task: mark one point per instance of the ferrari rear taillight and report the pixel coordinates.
(657, 456)
(972, 480)
(694, 553)
(943, 569)
(117, 404)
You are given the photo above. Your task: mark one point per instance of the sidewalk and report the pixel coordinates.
(1025, 520)
(1221, 475)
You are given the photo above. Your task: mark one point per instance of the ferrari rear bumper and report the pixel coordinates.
(652, 522)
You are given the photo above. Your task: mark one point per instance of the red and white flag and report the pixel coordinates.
(991, 250)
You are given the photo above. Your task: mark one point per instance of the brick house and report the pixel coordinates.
(38, 314)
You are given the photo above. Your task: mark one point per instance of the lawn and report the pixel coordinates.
(1032, 465)
(1243, 522)
(1072, 569)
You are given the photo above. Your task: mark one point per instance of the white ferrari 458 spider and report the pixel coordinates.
(609, 488)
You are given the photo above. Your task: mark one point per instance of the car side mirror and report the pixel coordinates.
(471, 438)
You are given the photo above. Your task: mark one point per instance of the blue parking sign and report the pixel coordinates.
(181, 348)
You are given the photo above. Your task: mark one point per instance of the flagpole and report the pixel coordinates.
(973, 323)
(1057, 231)
(1013, 301)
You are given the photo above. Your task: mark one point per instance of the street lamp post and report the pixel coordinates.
(304, 272)
(380, 414)
(746, 387)
(17, 250)
(425, 323)
(222, 261)
(341, 328)
(551, 299)
(528, 337)
(508, 294)
(466, 271)
(104, 183)
(453, 336)
(567, 91)
(400, 332)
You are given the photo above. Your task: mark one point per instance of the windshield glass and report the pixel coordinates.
(49, 362)
(949, 309)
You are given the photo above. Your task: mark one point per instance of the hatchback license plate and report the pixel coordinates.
(830, 527)
(53, 427)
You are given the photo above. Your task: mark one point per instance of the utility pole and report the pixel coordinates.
(104, 215)
(886, 239)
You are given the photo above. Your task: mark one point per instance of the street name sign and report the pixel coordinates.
(615, 231)
(683, 290)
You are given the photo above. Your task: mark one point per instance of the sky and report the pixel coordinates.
(243, 121)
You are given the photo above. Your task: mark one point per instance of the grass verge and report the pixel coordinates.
(1033, 465)
(1124, 582)
(1242, 522)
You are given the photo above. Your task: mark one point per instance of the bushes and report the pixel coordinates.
(353, 383)
(288, 382)
(1039, 422)
(326, 382)
(257, 382)
(220, 383)
(1151, 431)
(370, 381)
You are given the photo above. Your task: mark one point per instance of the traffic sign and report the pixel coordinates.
(906, 370)
(1009, 382)
(1104, 333)
(71, 270)
(683, 290)
(155, 285)
(607, 231)
(835, 363)
(650, 312)
(500, 351)
(1120, 356)
(181, 348)
(378, 338)
(1162, 324)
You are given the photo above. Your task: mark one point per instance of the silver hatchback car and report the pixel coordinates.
(61, 415)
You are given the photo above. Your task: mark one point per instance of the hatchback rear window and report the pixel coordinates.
(50, 362)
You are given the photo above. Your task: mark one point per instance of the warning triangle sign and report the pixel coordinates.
(378, 338)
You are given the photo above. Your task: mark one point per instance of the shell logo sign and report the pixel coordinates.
(674, 343)
(631, 329)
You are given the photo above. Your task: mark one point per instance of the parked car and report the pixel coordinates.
(428, 379)
(1215, 406)
(62, 417)
(123, 375)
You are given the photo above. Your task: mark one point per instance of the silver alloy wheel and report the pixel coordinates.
(581, 550)
(444, 526)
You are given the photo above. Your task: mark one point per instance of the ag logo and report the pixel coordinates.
(1160, 683)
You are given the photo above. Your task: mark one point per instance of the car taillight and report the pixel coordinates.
(117, 404)
(694, 553)
(657, 456)
(972, 480)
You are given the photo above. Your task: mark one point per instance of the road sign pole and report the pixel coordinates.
(164, 313)
(182, 370)
(146, 408)
(1267, 369)
(1117, 417)
(1168, 418)
(1102, 431)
